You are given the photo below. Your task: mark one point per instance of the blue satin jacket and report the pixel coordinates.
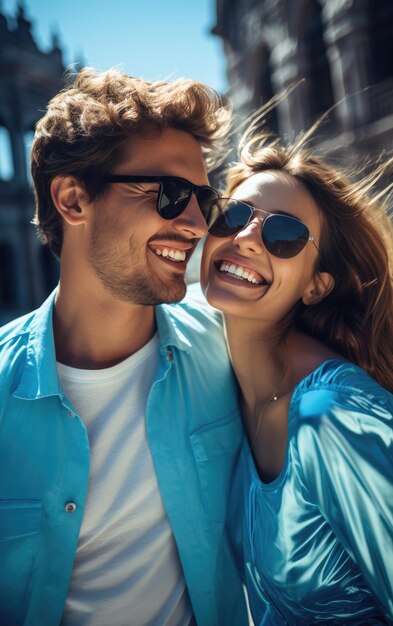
(194, 431)
(316, 544)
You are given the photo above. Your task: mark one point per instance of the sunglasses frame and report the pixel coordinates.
(252, 211)
(125, 178)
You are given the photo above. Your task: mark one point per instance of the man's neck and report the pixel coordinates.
(98, 332)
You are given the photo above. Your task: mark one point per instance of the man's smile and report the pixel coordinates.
(174, 254)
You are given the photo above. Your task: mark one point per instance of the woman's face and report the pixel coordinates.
(269, 287)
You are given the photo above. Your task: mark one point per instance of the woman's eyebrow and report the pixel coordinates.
(275, 211)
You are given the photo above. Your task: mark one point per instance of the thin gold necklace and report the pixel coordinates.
(276, 395)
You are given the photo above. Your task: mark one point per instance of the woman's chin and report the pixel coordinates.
(227, 303)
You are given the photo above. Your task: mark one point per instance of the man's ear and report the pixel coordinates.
(70, 199)
(320, 286)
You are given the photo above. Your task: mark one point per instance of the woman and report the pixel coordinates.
(299, 261)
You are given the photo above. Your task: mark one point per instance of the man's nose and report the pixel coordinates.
(191, 222)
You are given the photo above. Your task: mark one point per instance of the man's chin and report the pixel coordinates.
(152, 295)
(145, 291)
(174, 293)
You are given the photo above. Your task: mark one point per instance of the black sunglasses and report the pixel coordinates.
(174, 194)
(283, 236)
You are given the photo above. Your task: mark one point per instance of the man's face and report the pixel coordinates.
(138, 256)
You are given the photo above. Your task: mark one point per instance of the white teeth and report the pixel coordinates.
(174, 255)
(237, 271)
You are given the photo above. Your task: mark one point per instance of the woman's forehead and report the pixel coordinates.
(273, 191)
(269, 181)
(274, 188)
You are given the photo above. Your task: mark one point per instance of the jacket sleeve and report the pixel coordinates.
(345, 446)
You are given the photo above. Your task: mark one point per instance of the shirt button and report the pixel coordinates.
(70, 507)
(70, 414)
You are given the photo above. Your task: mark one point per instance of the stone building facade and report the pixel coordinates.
(342, 48)
(28, 79)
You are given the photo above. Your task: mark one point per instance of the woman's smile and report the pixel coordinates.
(240, 272)
(240, 267)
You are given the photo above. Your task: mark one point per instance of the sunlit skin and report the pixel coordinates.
(111, 275)
(270, 356)
(287, 279)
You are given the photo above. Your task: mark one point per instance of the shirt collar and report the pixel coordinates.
(39, 377)
(170, 327)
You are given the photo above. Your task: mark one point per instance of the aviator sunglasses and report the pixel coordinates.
(283, 236)
(174, 194)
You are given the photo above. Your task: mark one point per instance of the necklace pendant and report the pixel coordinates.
(275, 398)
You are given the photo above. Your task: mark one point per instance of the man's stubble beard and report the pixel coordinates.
(138, 287)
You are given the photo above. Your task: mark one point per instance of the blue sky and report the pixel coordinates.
(153, 39)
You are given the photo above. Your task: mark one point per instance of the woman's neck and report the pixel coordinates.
(270, 360)
(260, 355)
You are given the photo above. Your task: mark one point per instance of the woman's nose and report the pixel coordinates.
(250, 237)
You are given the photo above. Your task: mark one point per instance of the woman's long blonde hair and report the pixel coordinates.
(356, 318)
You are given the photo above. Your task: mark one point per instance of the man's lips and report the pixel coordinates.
(237, 271)
(172, 252)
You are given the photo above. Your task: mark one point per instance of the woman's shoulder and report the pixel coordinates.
(339, 391)
(342, 442)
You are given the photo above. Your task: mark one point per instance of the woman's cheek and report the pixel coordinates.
(206, 261)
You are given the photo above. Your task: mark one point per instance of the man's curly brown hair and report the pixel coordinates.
(87, 125)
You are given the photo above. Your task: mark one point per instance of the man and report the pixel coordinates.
(118, 420)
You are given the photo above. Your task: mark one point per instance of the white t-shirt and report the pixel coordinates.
(127, 570)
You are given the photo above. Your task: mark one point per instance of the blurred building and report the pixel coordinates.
(28, 79)
(342, 48)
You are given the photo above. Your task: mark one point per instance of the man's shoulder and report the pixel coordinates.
(24, 325)
(15, 329)
(14, 341)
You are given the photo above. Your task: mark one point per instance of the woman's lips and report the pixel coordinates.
(235, 271)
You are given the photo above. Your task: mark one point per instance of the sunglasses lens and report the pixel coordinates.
(174, 197)
(209, 201)
(230, 219)
(284, 236)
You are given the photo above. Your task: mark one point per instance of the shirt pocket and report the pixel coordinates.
(216, 447)
(20, 522)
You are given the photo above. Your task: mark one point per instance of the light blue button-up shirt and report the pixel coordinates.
(194, 432)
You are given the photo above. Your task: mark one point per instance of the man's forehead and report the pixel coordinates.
(168, 152)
